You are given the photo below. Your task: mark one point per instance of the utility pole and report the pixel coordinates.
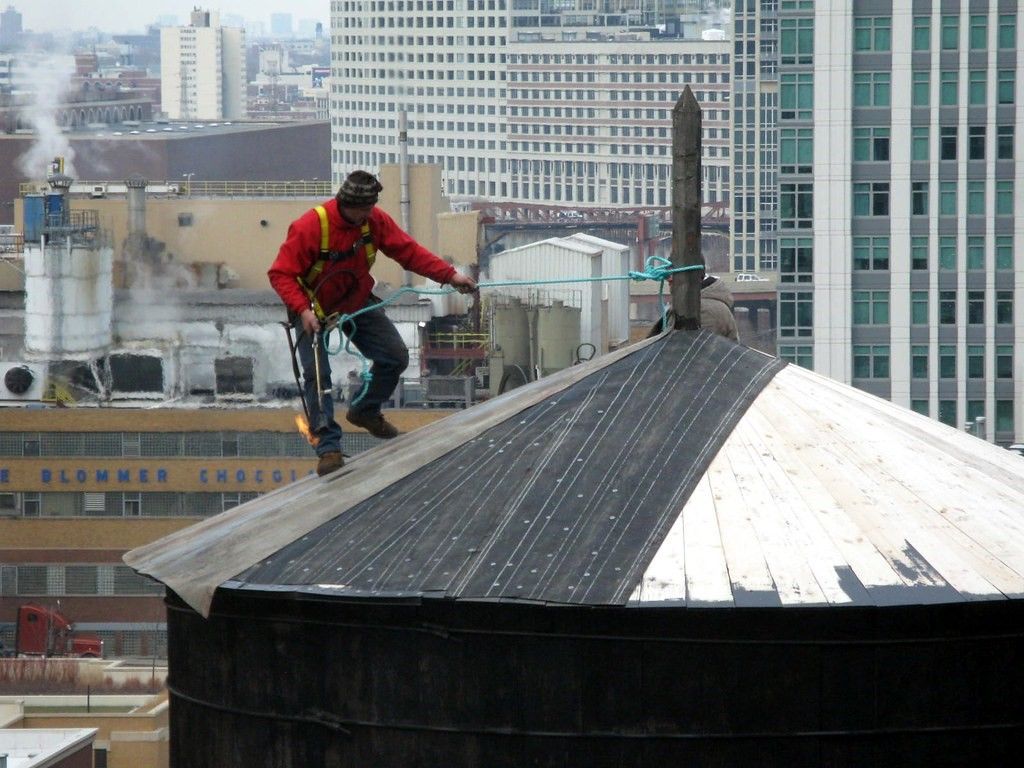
(686, 138)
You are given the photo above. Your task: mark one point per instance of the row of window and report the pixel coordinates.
(871, 307)
(920, 359)
(119, 504)
(796, 255)
(949, 88)
(166, 444)
(68, 580)
(871, 198)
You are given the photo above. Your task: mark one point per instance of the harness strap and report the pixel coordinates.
(307, 281)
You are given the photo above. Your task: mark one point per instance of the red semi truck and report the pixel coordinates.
(43, 631)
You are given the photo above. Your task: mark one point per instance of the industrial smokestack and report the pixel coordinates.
(136, 186)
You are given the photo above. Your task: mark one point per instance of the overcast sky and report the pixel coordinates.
(129, 16)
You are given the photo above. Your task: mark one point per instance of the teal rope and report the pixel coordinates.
(655, 268)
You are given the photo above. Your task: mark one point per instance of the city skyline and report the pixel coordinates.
(117, 18)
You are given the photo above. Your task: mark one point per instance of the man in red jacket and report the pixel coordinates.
(315, 283)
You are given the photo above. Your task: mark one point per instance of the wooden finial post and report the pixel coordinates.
(686, 179)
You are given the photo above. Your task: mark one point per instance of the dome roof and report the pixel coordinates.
(683, 470)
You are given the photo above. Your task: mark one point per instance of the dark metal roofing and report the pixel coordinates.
(564, 502)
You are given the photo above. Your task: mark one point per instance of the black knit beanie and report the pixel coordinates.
(359, 190)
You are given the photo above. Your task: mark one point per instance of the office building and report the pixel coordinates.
(202, 69)
(531, 101)
(900, 206)
(10, 27)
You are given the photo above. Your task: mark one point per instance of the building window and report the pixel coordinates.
(1004, 252)
(947, 142)
(796, 314)
(1004, 86)
(872, 89)
(920, 406)
(1008, 30)
(871, 253)
(796, 150)
(872, 34)
(1004, 307)
(796, 260)
(132, 504)
(871, 198)
(976, 252)
(919, 362)
(975, 307)
(975, 411)
(919, 253)
(1004, 361)
(947, 253)
(975, 198)
(870, 307)
(950, 32)
(947, 307)
(977, 88)
(947, 412)
(979, 33)
(919, 144)
(948, 81)
(975, 363)
(796, 41)
(871, 144)
(1004, 416)
(920, 89)
(796, 99)
(796, 206)
(947, 361)
(922, 33)
(976, 142)
(919, 198)
(184, 219)
(1004, 198)
(800, 354)
(1004, 142)
(919, 307)
(871, 362)
(947, 198)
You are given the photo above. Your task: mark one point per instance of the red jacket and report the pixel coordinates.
(346, 283)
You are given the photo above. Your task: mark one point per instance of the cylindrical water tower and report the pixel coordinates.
(680, 553)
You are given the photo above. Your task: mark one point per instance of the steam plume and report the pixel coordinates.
(44, 81)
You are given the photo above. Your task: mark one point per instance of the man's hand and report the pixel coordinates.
(309, 322)
(463, 283)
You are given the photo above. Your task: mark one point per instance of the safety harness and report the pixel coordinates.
(308, 282)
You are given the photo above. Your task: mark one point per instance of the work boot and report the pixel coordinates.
(329, 462)
(374, 423)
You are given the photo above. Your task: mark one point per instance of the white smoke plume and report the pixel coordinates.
(41, 83)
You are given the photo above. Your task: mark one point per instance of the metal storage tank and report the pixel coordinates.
(510, 331)
(680, 553)
(558, 337)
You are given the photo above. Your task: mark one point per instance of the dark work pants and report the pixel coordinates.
(379, 341)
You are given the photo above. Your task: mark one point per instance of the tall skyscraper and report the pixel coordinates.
(202, 70)
(754, 213)
(552, 102)
(901, 213)
(10, 27)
